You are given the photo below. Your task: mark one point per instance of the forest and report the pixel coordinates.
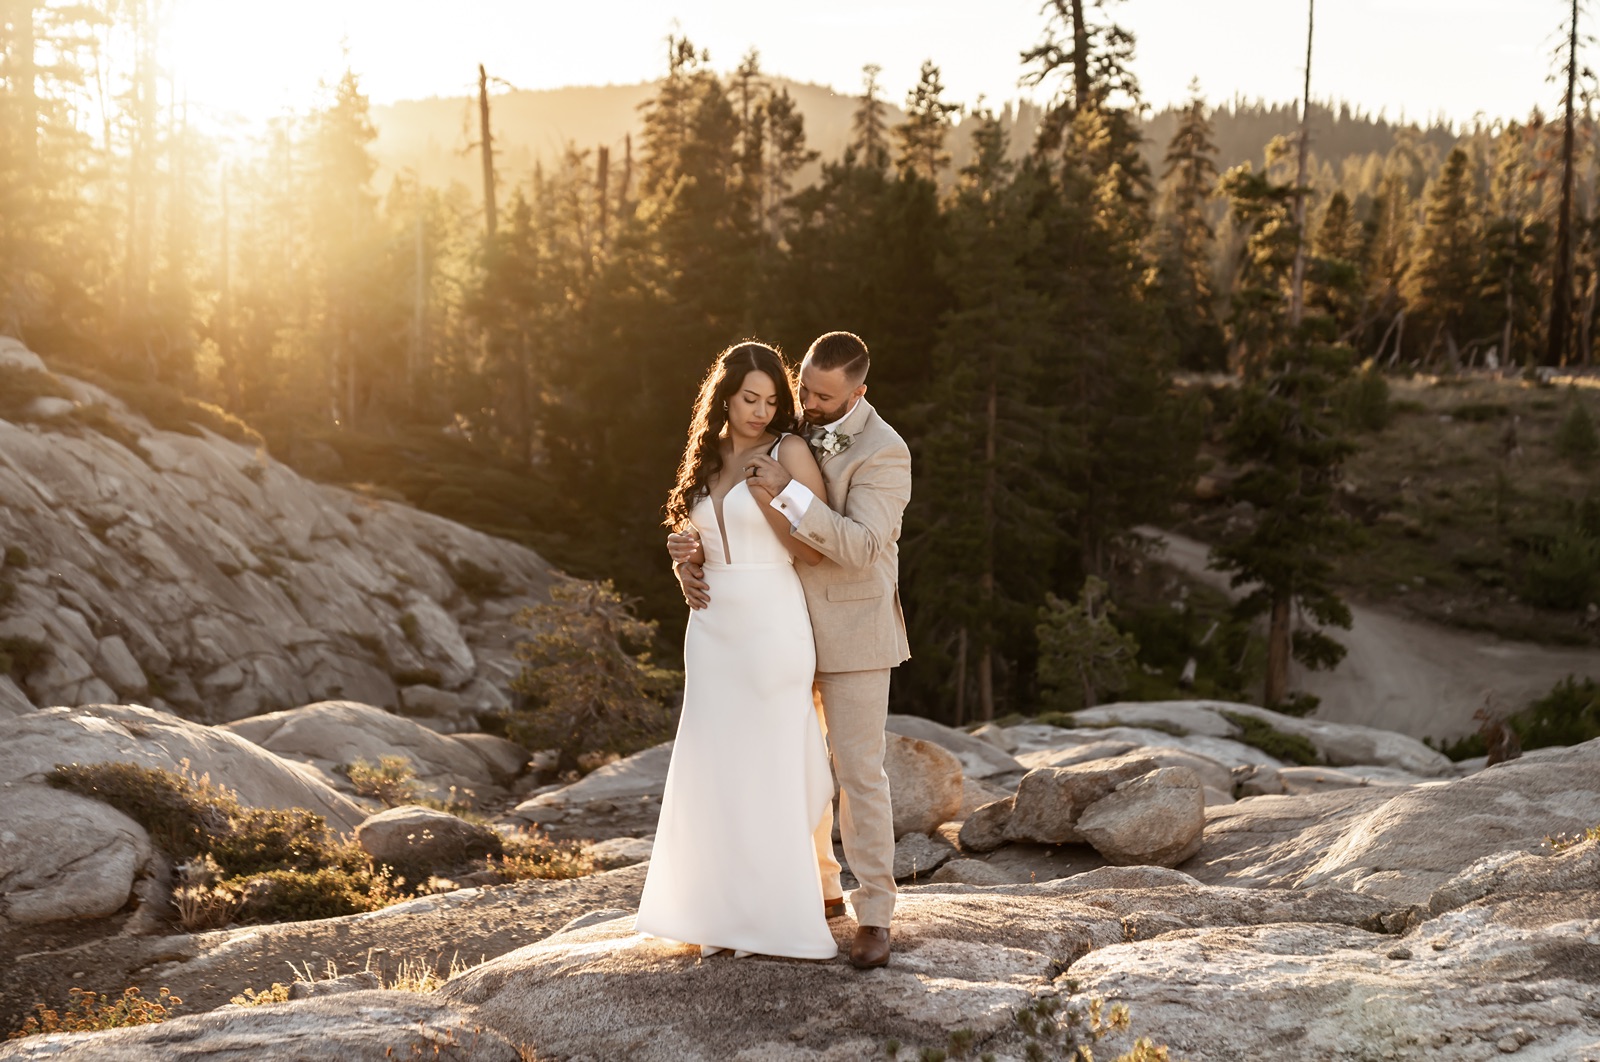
(1057, 325)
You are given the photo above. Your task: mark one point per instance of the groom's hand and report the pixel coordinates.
(687, 557)
(764, 472)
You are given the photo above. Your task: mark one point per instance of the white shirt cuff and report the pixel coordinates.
(793, 502)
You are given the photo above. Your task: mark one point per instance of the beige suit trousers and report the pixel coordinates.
(854, 706)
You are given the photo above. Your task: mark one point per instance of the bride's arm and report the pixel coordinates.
(795, 457)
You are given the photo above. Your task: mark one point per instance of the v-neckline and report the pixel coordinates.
(722, 524)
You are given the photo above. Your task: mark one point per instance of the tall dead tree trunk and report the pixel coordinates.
(602, 181)
(986, 580)
(1561, 295)
(486, 147)
(1297, 285)
(1080, 57)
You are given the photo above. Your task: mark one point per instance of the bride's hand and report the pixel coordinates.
(684, 548)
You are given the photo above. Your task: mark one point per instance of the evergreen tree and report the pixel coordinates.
(786, 155)
(1448, 265)
(869, 131)
(981, 536)
(1335, 279)
(922, 135)
(1186, 240)
(1286, 442)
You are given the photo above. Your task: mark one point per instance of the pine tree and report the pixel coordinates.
(1515, 248)
(922, 135)
(786, 155)
(1449, 263)
(1336, 281)
(1286, 441)
(869, 134)
(982, 537)
(1186, 241)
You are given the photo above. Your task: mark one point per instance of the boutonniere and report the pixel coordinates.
(830, 443)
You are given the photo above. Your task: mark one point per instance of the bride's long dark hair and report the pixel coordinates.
(702, 457)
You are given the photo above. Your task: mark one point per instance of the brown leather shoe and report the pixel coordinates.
(871, 947)
(833, 908)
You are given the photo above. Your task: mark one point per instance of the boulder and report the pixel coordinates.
(917, 855)
(924, 784)
(64, 856)
(431, 702)
(506, 760)
(1050, 799)
(12, 700)
(642, 774)
(1156, 818)
(620, 852)
(329, 734)
(111, 733)
(1211, 772)
(998, 736)
(418, 839)
(975, 794)
(360, 981)
(969, 872)
(985, 829)
(1085, 752)
(979, 758)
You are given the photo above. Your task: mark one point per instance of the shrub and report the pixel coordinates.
(1566, 575)
(90, 1012)
(180, 814)
(590, 675)
(1575, 439)
(328, 892)
(21, 657)
(1081, 654)
(1478, 412)
(1364, 401)
(1568, 715)
(530, 855)
(278, 993)
(16, 557)
(392, 780)
(261, 839)
(203, 902)
(1260, 734)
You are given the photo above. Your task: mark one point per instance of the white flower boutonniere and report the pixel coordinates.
(830, 443)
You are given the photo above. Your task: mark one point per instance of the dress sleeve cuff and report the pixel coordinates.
(793, 501)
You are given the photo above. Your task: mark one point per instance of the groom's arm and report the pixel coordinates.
(880, 488)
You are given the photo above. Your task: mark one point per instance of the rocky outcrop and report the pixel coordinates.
(198, 573)
(330, 735)
(1402, 842)
(113, 733)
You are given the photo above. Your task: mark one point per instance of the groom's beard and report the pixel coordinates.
(820, 417)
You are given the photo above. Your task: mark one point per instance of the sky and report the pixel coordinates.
(1417, 58)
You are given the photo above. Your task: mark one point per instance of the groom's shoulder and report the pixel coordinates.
(883, 435)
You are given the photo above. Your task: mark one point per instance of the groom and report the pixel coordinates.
(854, 599)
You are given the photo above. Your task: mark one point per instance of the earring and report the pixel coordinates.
(724, 405)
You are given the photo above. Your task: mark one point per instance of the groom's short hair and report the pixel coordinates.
(841, 350)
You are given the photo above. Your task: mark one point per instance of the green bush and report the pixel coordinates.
(391, 780)
(262, 839)
(21, 657)
(179, 813)
(1566, 575)
(1576, 440)
(327, 892)
(1081, 653)
(1364, 401)
(1478, 412)
(1568, 715)
(1260, 734)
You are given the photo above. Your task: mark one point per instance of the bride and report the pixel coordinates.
(734, 865)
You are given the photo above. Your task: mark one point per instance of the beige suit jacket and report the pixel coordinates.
(854, 592)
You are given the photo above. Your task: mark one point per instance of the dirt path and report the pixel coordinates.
(1409, 676)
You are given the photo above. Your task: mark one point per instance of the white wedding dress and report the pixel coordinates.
(733, 865)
